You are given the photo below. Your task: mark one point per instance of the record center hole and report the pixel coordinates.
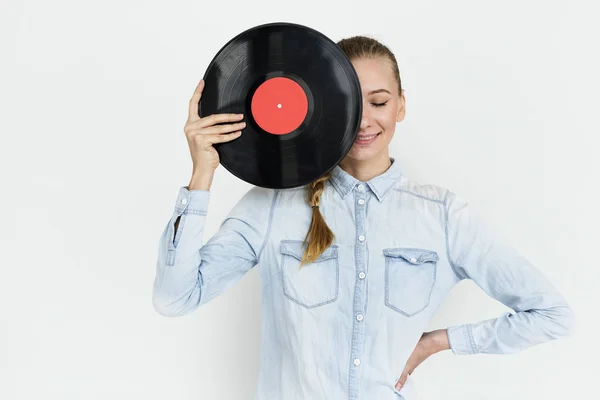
(278, 105)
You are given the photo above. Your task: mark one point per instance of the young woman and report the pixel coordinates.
(354, 265)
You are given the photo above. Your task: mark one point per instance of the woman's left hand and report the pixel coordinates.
(429, 344)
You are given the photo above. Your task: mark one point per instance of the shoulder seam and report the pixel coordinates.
(420, 195)
(452, 264)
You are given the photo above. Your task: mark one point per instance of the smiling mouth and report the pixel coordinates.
(366, 138)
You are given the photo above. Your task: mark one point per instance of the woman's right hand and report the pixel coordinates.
(201, 134)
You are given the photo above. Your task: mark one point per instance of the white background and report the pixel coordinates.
(502, 107)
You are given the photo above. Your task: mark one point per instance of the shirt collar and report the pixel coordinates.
(380, 185)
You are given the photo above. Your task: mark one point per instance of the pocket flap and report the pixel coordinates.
(412, 255)
(295, 248)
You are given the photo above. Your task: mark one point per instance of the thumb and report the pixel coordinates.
(402, 380)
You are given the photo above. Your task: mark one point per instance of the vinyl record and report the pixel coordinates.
(301, 101)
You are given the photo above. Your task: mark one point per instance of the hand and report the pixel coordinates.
(429, 344)
(201, 133)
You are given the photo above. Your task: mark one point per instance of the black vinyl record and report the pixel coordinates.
(301, 101)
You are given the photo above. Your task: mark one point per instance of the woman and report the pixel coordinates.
(354, 265)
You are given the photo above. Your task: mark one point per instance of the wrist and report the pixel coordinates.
(200, 181)
(438, 340)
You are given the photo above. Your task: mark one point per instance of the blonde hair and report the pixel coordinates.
(319, 235)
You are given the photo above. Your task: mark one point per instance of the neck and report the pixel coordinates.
(365, 170)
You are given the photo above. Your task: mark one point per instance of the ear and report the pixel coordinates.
(401, 108)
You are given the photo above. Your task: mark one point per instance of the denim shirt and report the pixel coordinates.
(344, 326)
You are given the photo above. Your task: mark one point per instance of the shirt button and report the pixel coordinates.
(361, 275)
(361, 238)
(359, 317)
(183, 201)
(361, 201)
(356, 361)
(413, 259)
(361, 188)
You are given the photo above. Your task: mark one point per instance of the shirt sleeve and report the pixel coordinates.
(475, 252)
(190, 273)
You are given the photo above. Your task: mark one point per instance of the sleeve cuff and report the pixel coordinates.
(461, 339)
(192, 201)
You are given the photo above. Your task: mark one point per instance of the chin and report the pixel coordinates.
(363, 154)
(360, 153)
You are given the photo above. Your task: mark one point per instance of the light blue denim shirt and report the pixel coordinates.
(344, 326)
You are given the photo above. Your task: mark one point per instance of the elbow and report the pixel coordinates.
(170, 306)
(161, 308)
(164, 308)
(568, 321)
(561, 321)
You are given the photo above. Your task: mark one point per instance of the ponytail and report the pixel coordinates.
(319, 236)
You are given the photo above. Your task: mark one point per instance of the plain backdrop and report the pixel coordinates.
(502, 107)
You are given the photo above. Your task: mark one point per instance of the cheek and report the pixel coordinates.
(386, 116)
(388, 122)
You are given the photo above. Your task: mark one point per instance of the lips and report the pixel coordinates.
(366, 139)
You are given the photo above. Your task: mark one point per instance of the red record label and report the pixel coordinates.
(279, 105)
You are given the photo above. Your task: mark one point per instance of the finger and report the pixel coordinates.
(218, 118)
(402, 380)
(224, 138)
(193, 106)
(212, 130)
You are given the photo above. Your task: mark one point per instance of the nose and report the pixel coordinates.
(365, 121)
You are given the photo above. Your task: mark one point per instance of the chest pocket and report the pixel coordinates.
(316, 283)
(409, 278)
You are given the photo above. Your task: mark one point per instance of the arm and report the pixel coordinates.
(541, 312)
(188, 273)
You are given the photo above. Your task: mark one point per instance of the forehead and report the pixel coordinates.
(375, 73)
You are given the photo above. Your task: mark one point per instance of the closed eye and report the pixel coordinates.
(379, 104)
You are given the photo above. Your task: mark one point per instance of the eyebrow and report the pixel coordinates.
(379, 91)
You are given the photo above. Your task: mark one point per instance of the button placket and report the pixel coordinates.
(360, 284)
